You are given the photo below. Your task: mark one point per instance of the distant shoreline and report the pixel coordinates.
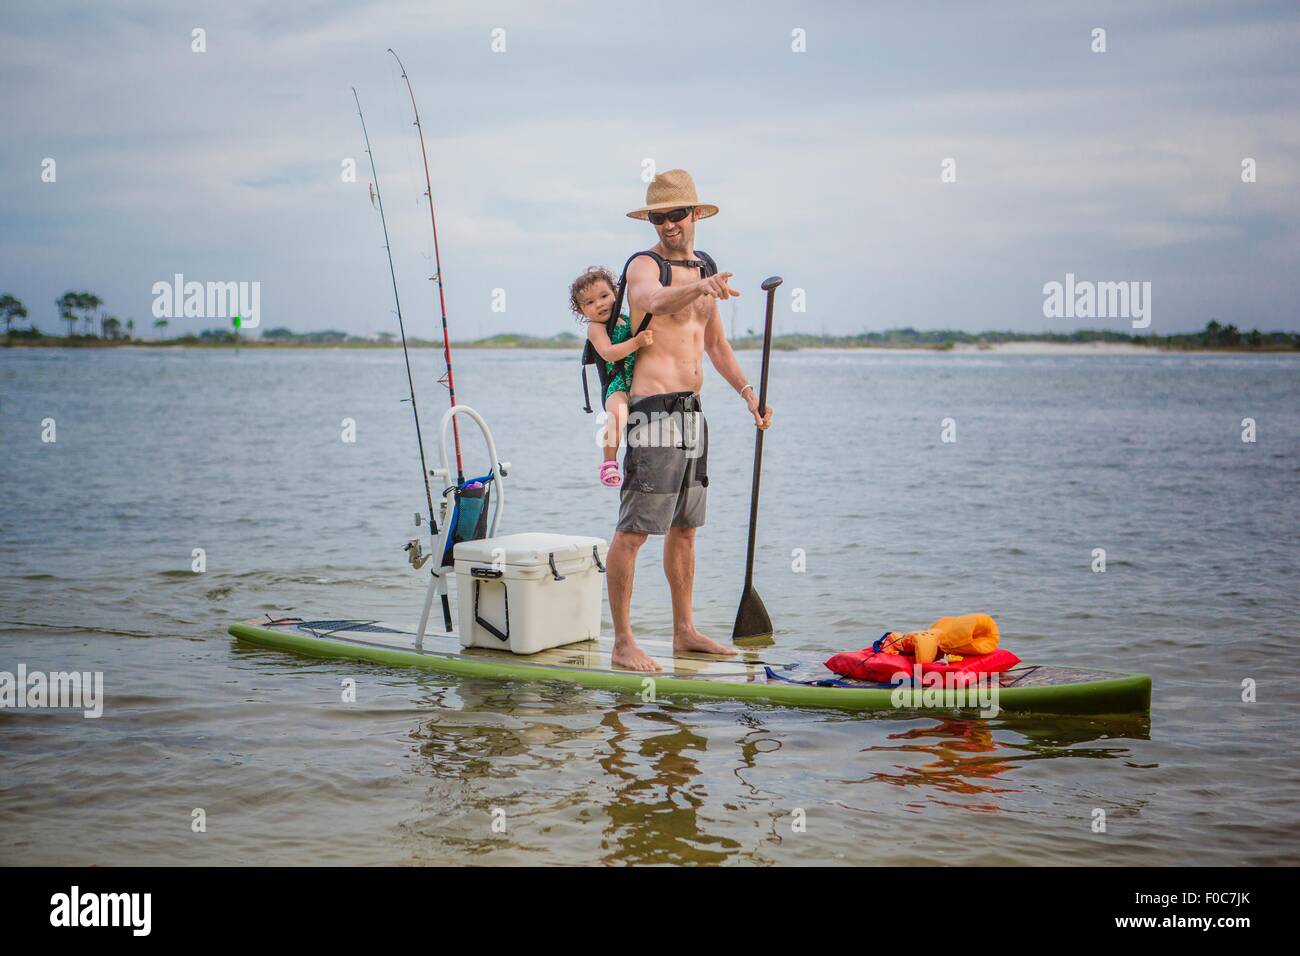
(1026, 345)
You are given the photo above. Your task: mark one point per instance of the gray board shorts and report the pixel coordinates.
(665, 464)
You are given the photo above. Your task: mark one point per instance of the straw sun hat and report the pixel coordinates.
(672, 190)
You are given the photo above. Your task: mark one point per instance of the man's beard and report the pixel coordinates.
(678, 245)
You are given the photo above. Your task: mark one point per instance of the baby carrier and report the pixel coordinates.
(590, 356)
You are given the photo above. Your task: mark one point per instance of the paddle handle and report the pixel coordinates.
(769, 286)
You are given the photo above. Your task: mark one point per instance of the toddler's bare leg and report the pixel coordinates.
(616, 406)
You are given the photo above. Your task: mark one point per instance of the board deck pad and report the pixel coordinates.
(783, 677)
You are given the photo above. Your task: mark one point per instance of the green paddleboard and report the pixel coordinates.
(789, 678)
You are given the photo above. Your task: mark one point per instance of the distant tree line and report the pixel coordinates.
(1213, 336)
(78, 309)
(84, 311)
(282, 334)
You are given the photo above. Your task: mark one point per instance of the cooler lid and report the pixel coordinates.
(530, 549)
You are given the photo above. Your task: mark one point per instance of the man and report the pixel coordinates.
(665, 464)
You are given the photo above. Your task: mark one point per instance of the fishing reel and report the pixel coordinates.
(415, 555)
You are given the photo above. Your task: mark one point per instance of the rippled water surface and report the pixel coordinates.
(159, 452)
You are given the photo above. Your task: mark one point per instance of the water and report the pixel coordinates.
(160, 452)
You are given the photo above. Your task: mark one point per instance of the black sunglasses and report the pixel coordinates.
(673, 215)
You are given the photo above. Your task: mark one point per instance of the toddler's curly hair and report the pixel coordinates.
(590, 277)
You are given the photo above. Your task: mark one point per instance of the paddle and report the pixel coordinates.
(753, 626)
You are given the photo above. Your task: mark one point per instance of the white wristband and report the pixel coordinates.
(742, 391)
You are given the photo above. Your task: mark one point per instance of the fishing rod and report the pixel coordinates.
(437, 276)
(410, 381)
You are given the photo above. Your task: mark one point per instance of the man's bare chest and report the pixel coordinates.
(687, 319)
(699, 310)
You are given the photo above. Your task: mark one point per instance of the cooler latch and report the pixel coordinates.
(554, 573)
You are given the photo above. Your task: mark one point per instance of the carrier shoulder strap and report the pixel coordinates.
(589, 354)
(665, 278)
(704, 262)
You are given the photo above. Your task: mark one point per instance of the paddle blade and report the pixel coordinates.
(753, 626)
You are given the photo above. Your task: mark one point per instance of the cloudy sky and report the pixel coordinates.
(225, 165)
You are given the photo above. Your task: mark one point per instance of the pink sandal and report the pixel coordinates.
(609, 476)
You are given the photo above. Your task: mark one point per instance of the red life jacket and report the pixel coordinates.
(879, 667)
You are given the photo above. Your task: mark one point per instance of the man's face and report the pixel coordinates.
(677, 236)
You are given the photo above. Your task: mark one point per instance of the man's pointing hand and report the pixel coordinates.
(716, 286)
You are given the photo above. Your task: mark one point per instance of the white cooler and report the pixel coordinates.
(527, 592)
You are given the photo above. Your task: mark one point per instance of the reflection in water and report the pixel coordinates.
(664, 784)
(512, 746)
(966, 755)
(493, 746)
(653, 816)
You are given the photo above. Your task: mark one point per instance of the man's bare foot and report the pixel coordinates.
(693, 640)
(627, 655)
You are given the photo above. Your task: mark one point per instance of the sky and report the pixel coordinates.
(227, 164)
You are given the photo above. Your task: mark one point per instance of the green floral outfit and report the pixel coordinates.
(620, 373)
